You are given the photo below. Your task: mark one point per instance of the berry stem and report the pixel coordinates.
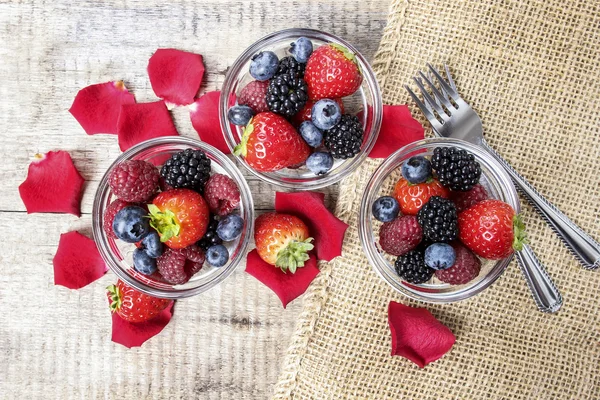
(520, 235)
(165, 222)
(294, 255)
(115, 298)
(241, 147)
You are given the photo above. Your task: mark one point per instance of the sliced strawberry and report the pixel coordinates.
(140, 122)
(97, 107)
(332, 72)
(282, 240)
(271, 143)
(204, 114)
(175, 75)
(77, 262)
(53, 184)
(180, 216)
(413, 197)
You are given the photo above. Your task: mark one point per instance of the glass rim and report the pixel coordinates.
(367, 237)
(368, 76)
(103, 190)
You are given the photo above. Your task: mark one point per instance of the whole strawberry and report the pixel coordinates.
(253, 95)
(491, 229)
(413, 196)
(282, 240)
(132, 305)
(466, 267)
(180, 216)
(401, 235)
(134, 180)
(271, 143)
(464, 200)
(109, 216)
(332, 72)
(221, 194)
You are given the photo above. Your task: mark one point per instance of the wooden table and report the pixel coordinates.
(226, 343)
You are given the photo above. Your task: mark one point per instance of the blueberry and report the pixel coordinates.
(416, 169)
(326, 114)
(440, 256)
(264, 65)
(230, 227)
(217, 255)
(131, 224)
(311, 134)
(152, 245)
(143, 263)
(319, 162)
(385, 209)
(301, 49)
(240, 115)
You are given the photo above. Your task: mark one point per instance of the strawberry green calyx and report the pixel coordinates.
(165, 222)
(115, 298)
(294, 255)
(347, 53)
(241, 148)
(520, 237)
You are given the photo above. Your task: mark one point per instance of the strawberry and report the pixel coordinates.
(306, 112)
(271, 143)
(332, 72)
(491, 229)
(134, 306)
(464, 200)
(180, 216)
(401, 235)
(413, 196)
(282, 240)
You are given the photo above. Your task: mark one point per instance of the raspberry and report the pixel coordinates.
(109, 216)
(465, 268)
(401, 235)
(134, 181)
(464, 200)
(195, 260)
(254, 96)
(222, 194)
(178, 265)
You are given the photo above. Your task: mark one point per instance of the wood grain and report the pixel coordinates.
(224, 344)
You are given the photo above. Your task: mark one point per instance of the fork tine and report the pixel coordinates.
(426, 111)
(429, 106)
(450, 80)
(443, 83)
(439, 96)
(430, 100)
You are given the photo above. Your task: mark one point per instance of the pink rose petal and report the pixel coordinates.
(286, 286)
(176, 75)
(131, 334)
(417, 334)
(77, 262)
(143, 121)
(53, 184)
(97, 107)
(327, 230)
(398, 128)
(204, 114)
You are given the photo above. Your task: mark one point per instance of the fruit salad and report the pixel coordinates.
(177, 218)
(440, 223)
(293, 113)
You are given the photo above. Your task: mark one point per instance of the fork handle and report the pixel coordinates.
(582, 245)
(543, 290)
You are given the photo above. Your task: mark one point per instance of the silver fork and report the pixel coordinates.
(458, 120)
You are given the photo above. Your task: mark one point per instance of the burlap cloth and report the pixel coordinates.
(531, 70)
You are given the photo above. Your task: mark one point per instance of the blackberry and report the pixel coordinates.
(289, 64)
(456, 168)
(345, 138)
(438, 219)
(210, 238)
(287, 93)
(187, 169)
(412, 268)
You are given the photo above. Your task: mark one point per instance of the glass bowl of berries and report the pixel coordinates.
(173, 217)
(300, 108)
(439, 220)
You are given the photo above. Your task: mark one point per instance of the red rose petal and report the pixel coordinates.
(327, 230)
(204, 114)
(417, 334)
(286, 286)
(77, 262)
(53, 184)
(131, 334)
(176, 75)
(398, 128)
(143, 121)
(97, 107)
